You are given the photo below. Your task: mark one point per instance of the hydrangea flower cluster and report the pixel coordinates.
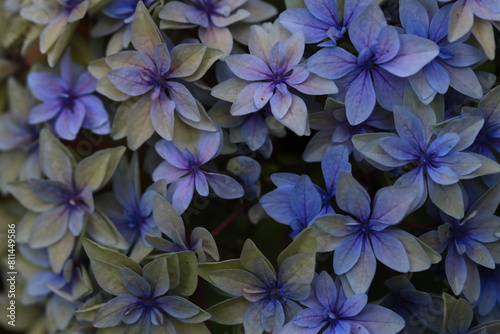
(250, 166)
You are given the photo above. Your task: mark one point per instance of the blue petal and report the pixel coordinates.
(352, 197)
(248, 67)
(438, 28)
(277, 205)
(361, 275)
(414, 17)
(224, 186)
(129, 80)
(388, 88)
(181, 193)
(309, 318)
(332, 63)
(392, 204)
(443, 144)
(353, 8)
(378, 319)
(69, 122)
(360, 98)
(301, 20)
(353, 305)
(305, 200)
(347, 253)
(399, 149)
(386, 46)
(208, 146)
(366, 27)
(325, 10)
(410, 128)
(464, 80)
(45, 86)
(464, 55)
(326, 291)
(335, 160)
(437, 77)
(456, 270)
(254, 132)
(390, 251)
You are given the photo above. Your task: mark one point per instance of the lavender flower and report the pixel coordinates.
(329, 310)
(267, 74)
(218, 21)
(321, 21)
(182, 169)
(452, 66)
(384, 55)
(367, 233)
(69, 103)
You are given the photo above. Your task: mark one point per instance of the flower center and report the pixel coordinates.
(67, 100)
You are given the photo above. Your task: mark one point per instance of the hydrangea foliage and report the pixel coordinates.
(250, 166)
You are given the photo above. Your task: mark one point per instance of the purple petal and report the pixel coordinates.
(45, 111)
(386, 45)
(414, 53)
(399, 149)
(316, 85)
(456, 270)
(478, 253)
(361, 275)
(438, 28)
(224, 186)
(129, 80)
(391, 204)
(353, 305)
(443, 144)
(280, 104)
(390, 251)
(69, 122)
(85, 84)
(168, 172)
(326, 291)
(76, 220)
(325, 10)
(414, 18)
(378, 319)
(95, 113)
(410, 128)
(248, 67)
(442, 175)
(294, 50)
(296, 117)
(308, 318)
(421, 87)
(347, 253)
(136, 59)
(335, 160)
(168, 151)
(277, 205)
(182, 193)
(353, 8)
(437, 77)
(162, 58)
(460, 162)
(244, 103)
(301, 20)
(224, 20)
(366, 27)
(201, 184)
(184, 101)
(464, 55)
(388, 88)
(464, 80)
(332, 63)
(263, 94)
(254, 132)
(352, 197)
(360, 98)
(305, 200)
(208, 146)
(162, 116)
(45, 86)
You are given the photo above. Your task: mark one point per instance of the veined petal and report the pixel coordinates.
(456, 270)
(129, 80)
(136, 59)
(438, 27)
(182, 193)
(263, 94)
(443, 144)
(46, 86)
(85, 84)
(347, 254)
(168, 172)
(389, 88)
(224, 186)
(390, 251)
(325, 10)
(217, 38)
(361, 275)
(184, 101)
(162, 58)
(366, 27)
(353, 8)
(208, 146)
(315, 85)
(162, 116)
(386, 46)
(414, 17)
(464, 80)
(465, 55)
(69, 122)
(168, 151)
(410, 128)
(280, 103)
(332, 63)
(478, 253)
(360, 98)
(353, 305)
(248, 67)
(352, 197)
(399, 149)
(437, 77)
(244, 103)
(461, 20)
(391, 204)
(301, 20)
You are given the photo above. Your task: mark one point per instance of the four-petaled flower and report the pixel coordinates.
(69, 103)
(330, 311)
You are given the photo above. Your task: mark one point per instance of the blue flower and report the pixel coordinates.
(368, 234)
(297, 201)
(434, 165)
(488, 304)
(452, 66)
(267, 75)
(470, 242)
(69, 103)
(329, 310)
(385, 57)
(216, 19)
(183, 169)
(145, 308)
(320, 22)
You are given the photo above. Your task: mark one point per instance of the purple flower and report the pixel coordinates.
(321, 21)
(182, 169)
(69, 103)
(329, 310)
(368, 234)
(218, 21)
(385, 57)
(452, 66)
(269, 72)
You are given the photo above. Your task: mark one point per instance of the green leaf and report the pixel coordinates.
(249, 253)
(447, 198)
(483, 31)
(205, 269)
(186, 59)
(209, 58)
(61, 251)
(458, 315)
(95, 171)
(23, 193)
(188, 271)
(139, 125)
(107, 265)
(56, 160)
(230, 311)
(102, 230)
(119, 127)
(303, 243)
(145, 33)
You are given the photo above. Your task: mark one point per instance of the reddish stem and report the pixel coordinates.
(418, 226)
(229, 219)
